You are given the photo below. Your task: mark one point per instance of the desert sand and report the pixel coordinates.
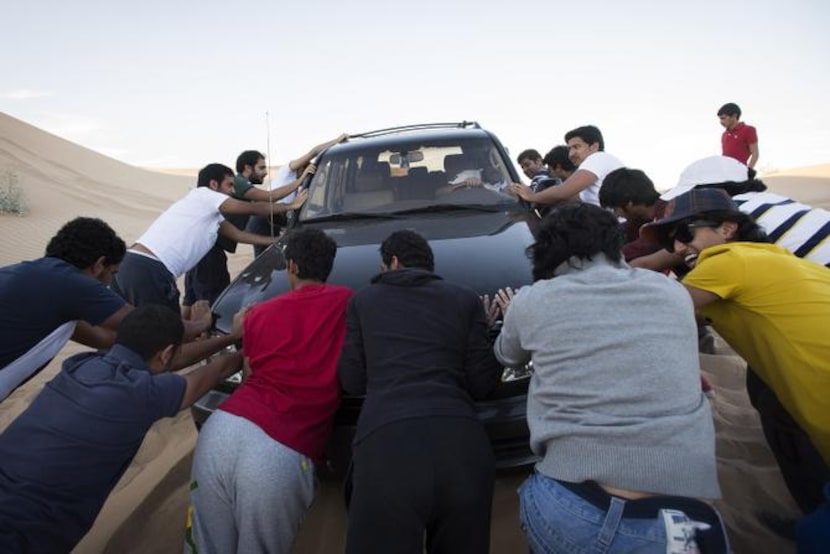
(146, 512)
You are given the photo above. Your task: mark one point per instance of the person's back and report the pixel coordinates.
(32, 285)
(44, 301)
(615, 412)
(600, 394)
(253, 468)
(63, 455)
(417, 347)
(79, 434)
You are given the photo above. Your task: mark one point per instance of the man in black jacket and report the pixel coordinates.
(417, 347)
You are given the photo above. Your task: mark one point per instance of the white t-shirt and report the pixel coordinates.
(283, 176)
(600, 164)
(183, 234)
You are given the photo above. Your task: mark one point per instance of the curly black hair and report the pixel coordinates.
(85, 239)
(574, 230)
(313, 251)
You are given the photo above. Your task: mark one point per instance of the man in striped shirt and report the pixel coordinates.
(799, 228)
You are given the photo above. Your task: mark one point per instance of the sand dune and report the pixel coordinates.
(146, 511)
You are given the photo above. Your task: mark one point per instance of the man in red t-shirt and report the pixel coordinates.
(253, 469)
(739, 140)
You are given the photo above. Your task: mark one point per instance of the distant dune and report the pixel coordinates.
(146, 512)
(62, 180)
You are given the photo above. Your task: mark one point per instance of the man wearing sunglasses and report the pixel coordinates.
(800, 228)
(773, 308)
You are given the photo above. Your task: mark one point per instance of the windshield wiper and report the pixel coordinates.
(346, 216)
(450, 208)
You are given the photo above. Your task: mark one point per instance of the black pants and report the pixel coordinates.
(208, 278)
(266, 226)
(804, 470)
(141, 280)
(420, 476)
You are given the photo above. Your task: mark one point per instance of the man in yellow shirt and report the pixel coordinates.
(774, 310)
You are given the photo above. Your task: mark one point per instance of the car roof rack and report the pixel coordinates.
(417, 127)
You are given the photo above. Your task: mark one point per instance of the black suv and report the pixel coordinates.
(444, 181)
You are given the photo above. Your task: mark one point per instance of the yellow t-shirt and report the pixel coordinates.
(774, 310)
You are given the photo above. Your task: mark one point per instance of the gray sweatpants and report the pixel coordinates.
(248, 492)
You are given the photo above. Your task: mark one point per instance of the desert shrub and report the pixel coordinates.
(12, 199)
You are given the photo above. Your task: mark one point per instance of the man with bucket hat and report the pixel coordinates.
(773, 308)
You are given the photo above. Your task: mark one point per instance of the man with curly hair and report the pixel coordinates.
(623, 431)
(63, 295)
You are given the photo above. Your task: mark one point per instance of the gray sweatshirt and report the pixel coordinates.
(615, 395)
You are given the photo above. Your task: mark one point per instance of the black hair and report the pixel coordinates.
(149, 329)
(732, 188)
(558, 156)
(83, 240)
(625, 185)
(574, 230)
(248, 157)
(411, 249)
(730, 108)
(313, 251)
(588, 133)
(213, 172)
(529, 154)
(748, 229)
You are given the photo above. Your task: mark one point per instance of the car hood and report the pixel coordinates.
(484, 251)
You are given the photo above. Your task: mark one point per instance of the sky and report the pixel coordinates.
(182, 83)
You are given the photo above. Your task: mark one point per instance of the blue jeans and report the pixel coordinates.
(555, 519)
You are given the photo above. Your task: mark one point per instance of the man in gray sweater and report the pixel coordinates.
(615, 409)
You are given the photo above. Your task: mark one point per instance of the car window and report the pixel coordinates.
(407, 176)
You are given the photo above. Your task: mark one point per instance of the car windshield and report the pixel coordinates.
(408, 178)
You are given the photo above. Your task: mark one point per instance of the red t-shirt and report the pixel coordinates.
(292, 343)
(735, 143)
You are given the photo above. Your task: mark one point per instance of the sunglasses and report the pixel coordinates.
(685, 232)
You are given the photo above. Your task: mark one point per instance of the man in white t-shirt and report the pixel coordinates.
(183, 234)
(586, 149)
(288, 176)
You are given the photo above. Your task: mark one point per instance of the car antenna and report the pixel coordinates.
(270, 188)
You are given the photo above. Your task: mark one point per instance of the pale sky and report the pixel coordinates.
(183, 83)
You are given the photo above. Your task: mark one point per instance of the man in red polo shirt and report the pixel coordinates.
(739, 140)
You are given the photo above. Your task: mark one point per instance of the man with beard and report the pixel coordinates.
(208, 278)
(181, 236)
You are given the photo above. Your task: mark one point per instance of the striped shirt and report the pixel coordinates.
(799, 228)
